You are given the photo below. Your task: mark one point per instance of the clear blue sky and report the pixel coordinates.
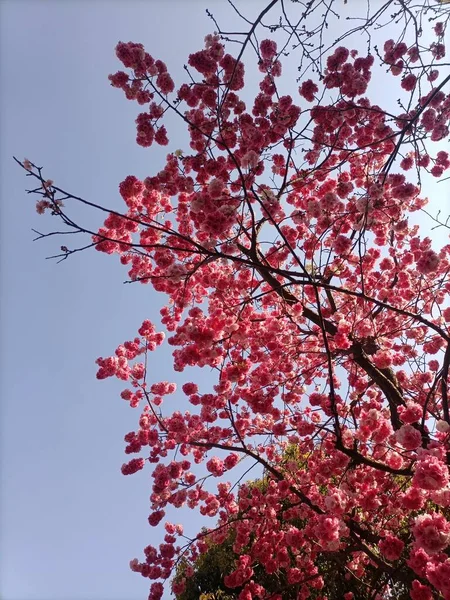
(70, 522)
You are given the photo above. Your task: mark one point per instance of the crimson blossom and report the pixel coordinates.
(286, 241)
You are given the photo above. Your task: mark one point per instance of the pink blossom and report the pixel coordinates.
(391, 547)
(428, 262)
(420, 592)
(342, 244)
(308, 89)
(431, 473)
(250, 160)
(409, 437)
(268, 49)
(439, 576)
(431, 532)
(409, 82)
(412, 413)
(135, 464)
(215, 466)
(442, 426)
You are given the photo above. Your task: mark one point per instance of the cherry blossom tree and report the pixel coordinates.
(289, 240)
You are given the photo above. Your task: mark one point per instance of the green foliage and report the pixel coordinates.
(209, 571)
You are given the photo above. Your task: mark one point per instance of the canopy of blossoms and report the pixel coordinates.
(283, 239)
